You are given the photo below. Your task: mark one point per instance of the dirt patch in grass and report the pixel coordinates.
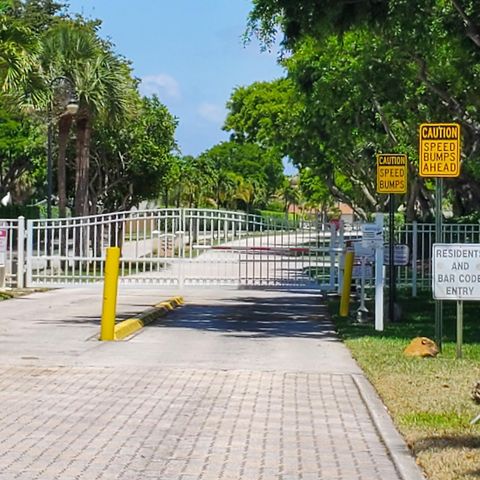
(429, 399)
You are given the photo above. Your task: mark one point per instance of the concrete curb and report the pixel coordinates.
(401, 456)
(131, 325)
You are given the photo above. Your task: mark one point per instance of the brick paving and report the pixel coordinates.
(66, 423)
(236, 385)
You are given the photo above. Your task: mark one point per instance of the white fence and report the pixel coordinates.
(180, 246)
(12, 256)
(420, 237)
(201, 247)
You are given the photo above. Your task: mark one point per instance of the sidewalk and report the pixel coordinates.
(238, 384)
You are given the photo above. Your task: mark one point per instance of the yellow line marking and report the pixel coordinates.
(131, 325)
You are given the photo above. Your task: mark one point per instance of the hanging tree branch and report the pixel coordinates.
(473, 31)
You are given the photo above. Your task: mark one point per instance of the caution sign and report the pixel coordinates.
(391, 173)
(439, 150)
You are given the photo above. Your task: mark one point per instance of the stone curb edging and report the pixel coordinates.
(131, 325)
(400, 454)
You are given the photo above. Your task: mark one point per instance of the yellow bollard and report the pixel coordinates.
(347, 280)
(109, 306)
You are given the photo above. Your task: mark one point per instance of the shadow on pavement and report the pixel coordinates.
(85, 320)
(255, 317)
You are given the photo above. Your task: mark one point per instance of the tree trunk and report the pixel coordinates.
(84, 132)
(64, 126)
(412, 199)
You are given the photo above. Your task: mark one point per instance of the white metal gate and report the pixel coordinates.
(199, 247)
(182, 247)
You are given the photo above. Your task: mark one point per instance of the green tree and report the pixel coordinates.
(21, 155)
(132, 158)
(103, 84)
(264, 113)
(39, 15)
(66, 45)
(290, 194)
(105, 88)
(18, 51)
(405, 62)
(251, 192)
(315, 191)
(251, 162)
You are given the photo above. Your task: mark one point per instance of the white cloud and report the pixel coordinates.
(211, 112)
(162, 84)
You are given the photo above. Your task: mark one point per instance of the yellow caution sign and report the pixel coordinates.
(439, 150)
(391, 173)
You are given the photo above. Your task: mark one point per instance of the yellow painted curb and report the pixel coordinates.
(132, 325)
(126, 328)
(171, 303)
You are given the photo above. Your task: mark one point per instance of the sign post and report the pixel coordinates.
(459, 328)
(366, 254)
(379, 280)
(3, 255)
(438, 239)
(439, 158)
(456, 276)
(391, 179)
(391, 267)
(372, 237)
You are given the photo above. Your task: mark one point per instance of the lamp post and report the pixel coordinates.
(71, 108)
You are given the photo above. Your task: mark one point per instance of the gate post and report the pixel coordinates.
(29, 253)
(414, 257)
(340, 241)
(21, 252)
(333, 234)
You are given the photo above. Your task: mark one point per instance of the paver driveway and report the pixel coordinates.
(235, 385)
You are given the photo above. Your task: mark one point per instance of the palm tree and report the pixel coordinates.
(198, 179)
(226, 183)
(65, 47)
(290, 194)
(106, 88)
(250, 191)
(18, 53)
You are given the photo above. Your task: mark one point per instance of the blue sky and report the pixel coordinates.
(190, 53)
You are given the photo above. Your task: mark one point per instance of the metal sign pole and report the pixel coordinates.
(379, 281)
(438, 239)
(459, 328)
(392, 171)
(439, 157)
(362, 312)
(391, 256)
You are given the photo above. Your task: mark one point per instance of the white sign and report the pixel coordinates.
(3, 240)
(362, 250)
(401, 255)
(366, 269)
(456, 271)
(372, 235)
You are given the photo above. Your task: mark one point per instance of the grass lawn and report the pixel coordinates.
(429, 399)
